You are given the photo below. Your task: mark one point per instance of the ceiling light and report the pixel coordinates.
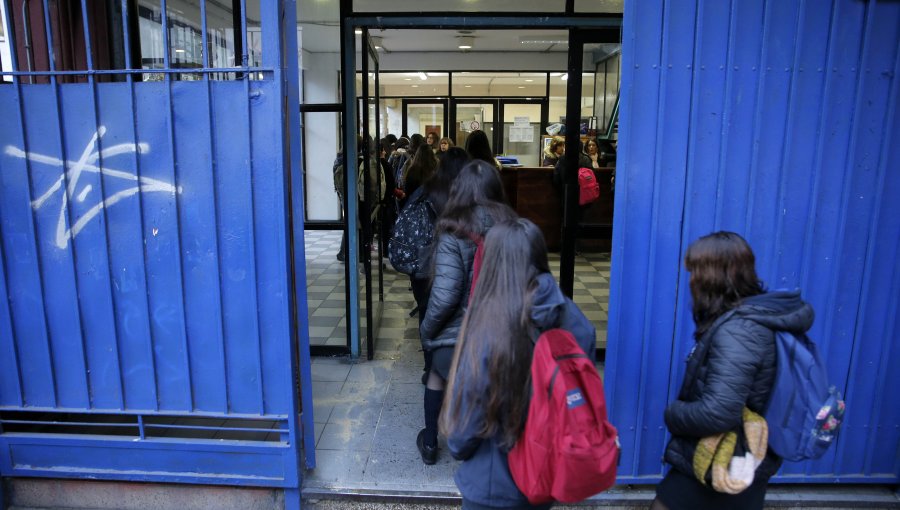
(407, 79)
(415, 86)
(529, 80)
(564, 77)
(544, 39)
(465, 42)
(422, 76)
(521, 86)
(468, 86)
(376, 41)
(358, 31)
(179, 50)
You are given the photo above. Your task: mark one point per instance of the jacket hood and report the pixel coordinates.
(781, 310)
(548, 303)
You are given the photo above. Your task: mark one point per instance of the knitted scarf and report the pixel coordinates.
(731, 466)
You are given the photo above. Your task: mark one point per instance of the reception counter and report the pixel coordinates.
(531, 192)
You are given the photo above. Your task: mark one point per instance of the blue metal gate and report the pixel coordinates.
(777, 120)
(146, 331)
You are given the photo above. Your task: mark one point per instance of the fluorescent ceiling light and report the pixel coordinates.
(529, 80)
(358, 31)
(564, 77)
(422, 75)
(544, 39)
(407, 79)
(415, 86)
(465, 42)
(179, 50)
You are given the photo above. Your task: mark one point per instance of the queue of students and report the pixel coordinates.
(478, 345)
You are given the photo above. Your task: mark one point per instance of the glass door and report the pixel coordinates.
(473, 114)
(425, 116)
(371, 193)
(521, 141)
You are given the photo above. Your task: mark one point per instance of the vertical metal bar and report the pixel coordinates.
(126, 40)
(245, 56)
(126, 36)
(204, 34)
(49, 35)
(570, 164)
(141, 430)
(367, 194)
(171, 129)
(348, 67)
(252, 229)
(164, 21)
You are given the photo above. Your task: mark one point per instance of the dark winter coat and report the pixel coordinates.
(453, 259)
(732, 365)
(484, 477)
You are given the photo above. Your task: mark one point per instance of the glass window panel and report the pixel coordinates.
(319, 43)
(425, 118)
(407, 6)
(472, 116)
(321, 143)
(521, 133)
(490, 84)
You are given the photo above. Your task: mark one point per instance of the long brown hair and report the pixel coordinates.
(497, 334)
(723, 273)
(477, 186)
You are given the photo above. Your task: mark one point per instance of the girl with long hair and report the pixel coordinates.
(435, 191)
(478, 147)
(446, 144)
(420, 168)
(731, 367)
(476, 202)
(515, 299)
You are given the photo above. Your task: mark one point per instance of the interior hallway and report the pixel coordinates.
(367, 413)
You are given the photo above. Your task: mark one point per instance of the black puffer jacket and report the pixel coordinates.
(732, 365)
(453, 258)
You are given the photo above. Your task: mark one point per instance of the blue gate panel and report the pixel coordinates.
(30, 337)
(53, 221)
(125, 231)
(778, 121)
(235, 170)
(178, 462)
(270, 212)
(197, 171)
(162, 246)
(86, 196)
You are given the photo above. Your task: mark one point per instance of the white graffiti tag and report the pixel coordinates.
(87, 163)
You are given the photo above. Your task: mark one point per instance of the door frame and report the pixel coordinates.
(443, 101)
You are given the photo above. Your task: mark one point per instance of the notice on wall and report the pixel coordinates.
(523, 134)
(521, 121)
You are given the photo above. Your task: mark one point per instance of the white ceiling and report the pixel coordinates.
(318, 20)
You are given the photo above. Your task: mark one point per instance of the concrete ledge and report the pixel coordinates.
(37, 493)
(626, 497)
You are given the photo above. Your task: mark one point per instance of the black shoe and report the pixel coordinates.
(429, 453)
(340, 256)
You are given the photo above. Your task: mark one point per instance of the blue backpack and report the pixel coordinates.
(804, 411)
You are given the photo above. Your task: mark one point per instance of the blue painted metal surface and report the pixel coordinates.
(144, 241)
(778, 120)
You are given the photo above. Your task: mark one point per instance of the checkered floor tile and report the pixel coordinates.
(327, 295)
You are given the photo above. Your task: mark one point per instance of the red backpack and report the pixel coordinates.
(589, 188)
(568, 451)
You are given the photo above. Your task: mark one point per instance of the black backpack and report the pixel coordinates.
(410, 247)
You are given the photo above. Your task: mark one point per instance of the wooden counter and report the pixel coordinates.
(531, 193)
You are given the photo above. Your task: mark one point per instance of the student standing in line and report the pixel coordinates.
(732, 366)
(515, 300)
(436, 192)
(476, 202)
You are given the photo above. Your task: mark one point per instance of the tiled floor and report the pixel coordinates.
(326, 293)
(367, 413)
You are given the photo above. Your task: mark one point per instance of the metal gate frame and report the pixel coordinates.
(147, 268)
